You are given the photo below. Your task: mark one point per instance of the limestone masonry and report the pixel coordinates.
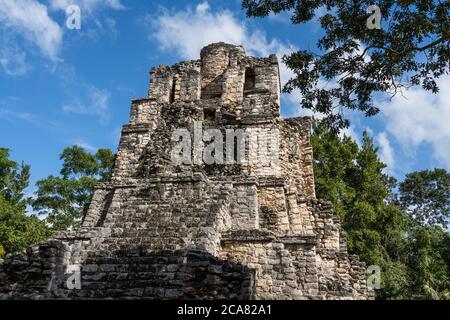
(249, 230)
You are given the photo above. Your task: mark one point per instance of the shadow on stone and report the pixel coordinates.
(132, 273)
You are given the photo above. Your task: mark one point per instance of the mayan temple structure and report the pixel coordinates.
(242, 227)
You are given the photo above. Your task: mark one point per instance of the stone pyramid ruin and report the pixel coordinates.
(176, 227)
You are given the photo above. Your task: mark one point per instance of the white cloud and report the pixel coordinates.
(11, 110)
(11, 115)
(187, 31)
(13, 61)
(84, 98)
(94, 23)
(95, 104)
(86, 145)
(282, 17)
(30, 19)
(422, 117)
(87, 6)
(386, 152)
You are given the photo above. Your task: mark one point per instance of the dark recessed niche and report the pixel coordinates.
(249, 83)
(209, 114)
(172, 91)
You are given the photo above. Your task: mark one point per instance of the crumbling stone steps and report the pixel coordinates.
(134, 216)
(149, 242)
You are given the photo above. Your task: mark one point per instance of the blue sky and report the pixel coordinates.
(60, 87)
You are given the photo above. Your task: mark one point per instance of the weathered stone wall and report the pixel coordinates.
(285, 268)
(297, 155)
(251, 229)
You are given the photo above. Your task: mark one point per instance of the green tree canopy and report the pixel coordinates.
(17, 229)
(411, 48)
(13, 179)
(352, 178)
(425, 196)
(427, 257)
(414, 259)
(65, 199)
